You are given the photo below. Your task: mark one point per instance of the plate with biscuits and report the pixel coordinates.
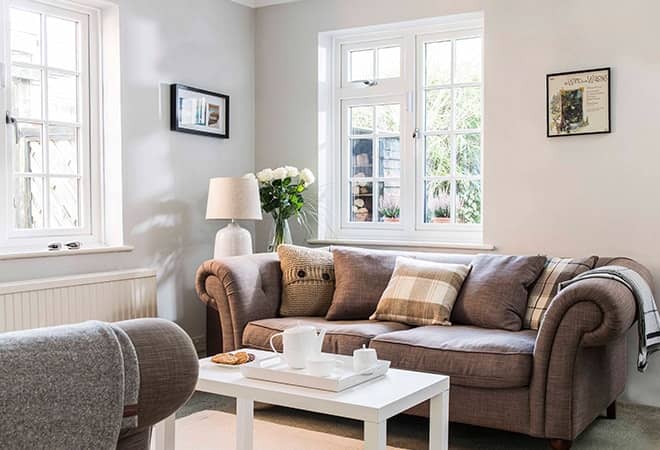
(232, 359)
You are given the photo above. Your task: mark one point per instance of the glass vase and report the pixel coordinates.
(280, 234)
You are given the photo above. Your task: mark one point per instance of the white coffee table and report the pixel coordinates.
(372, 402)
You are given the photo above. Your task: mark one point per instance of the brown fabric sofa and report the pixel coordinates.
(551, 384)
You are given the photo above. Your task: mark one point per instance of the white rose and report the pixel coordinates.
(265, 176)
(291, 171)
(280, 173)
(307, 176)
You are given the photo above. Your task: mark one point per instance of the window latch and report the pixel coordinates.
(10, 120)
(369, 83)
(415, 133)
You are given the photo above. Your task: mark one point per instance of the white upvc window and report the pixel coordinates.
(51, 157)
(400, 114)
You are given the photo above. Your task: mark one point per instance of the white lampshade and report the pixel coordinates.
(233, 198)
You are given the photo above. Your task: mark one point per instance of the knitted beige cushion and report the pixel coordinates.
(421, 292)
(308, 281)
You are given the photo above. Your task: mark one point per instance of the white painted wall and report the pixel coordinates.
(204, 43)
(565, 196)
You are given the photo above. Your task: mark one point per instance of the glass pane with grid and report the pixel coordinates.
(45, 101)
(374, 143)
(452, 131)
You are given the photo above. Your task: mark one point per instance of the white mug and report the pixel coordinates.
(364, 359)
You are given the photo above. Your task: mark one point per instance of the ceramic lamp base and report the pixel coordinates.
(232, 240)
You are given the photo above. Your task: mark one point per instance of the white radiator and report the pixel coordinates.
(108, 296)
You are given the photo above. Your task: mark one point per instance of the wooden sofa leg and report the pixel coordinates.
(213, 332)
(611, 411)
(560, 444)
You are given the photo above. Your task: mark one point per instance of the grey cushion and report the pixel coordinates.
(494, 295)
(471, 356)
(342, 337)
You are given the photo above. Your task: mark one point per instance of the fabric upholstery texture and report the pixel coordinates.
(471, 356)
(556, 271)
(495, 293)
(342, 337)
(421, 292)
(308, 281)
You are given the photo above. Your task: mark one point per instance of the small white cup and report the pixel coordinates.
(321, 367)
(364, 359)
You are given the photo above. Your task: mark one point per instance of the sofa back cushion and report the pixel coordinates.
(421, 292)
(308, 281)
(361, 276)
(495, 293)
(556, 271)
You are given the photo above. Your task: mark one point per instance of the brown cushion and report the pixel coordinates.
(342, 337)
(556, 271)
(471, 356)
(421, 292)
(495, 293)
(308, 280)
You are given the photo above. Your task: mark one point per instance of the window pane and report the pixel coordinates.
(63, 202)
(468, 154)
(61, 48)
(438, 156)
(28, 153)
(361, 201)
(26, 93)
(389, 150)
(362, 120)
(468, 60)
(438, 63)
(389, 62)
(25, 36)
(468, 108)
(388, 118)
(438, 109)
(362, 65)
(29, 203)
(63, 150)
(62, 101)
(438, 202)
(388, 201)
(362, 157)
(468, 201)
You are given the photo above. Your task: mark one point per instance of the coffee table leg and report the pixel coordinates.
(164, 434)
(439, 422)
(244, 424)
(375, 435)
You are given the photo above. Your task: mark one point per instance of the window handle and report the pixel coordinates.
(10, 120)
(416, 133)
(369, 83)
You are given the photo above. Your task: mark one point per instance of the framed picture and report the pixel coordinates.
(578, 102)
(197, 111)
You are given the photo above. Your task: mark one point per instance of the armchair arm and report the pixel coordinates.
(582, 320)
(242, 289)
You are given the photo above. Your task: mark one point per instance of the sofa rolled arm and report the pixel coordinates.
(241, 289)
(168, 367)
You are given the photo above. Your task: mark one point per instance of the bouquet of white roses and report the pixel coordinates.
(281, 196)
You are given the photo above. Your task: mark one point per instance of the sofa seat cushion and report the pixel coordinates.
(342, 337)
(471, 356)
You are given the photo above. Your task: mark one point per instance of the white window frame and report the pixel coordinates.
(94, 232)
(336, 94)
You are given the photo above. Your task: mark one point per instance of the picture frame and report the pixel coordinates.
(578, 102)
(198, 111)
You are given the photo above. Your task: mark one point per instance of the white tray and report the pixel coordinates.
(343, 377)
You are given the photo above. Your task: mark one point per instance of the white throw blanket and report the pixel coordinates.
(648, 319)
(66, 387)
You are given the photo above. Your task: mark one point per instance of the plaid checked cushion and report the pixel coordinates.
(556, 270)
(421, 292)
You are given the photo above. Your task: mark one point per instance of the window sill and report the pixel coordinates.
(412, 244)
(17, 254)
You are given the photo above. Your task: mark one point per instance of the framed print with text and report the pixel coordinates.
(197, 111)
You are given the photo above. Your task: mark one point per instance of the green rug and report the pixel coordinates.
(636, 428)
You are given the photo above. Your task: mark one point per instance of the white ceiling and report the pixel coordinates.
(262, 3)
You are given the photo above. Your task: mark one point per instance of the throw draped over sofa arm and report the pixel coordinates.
(241, 289)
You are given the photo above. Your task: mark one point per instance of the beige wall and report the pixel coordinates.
(564, 196)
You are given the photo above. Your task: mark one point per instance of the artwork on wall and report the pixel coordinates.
(198, 111)
(578, 102)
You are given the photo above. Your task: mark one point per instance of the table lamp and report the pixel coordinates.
(234, 199)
